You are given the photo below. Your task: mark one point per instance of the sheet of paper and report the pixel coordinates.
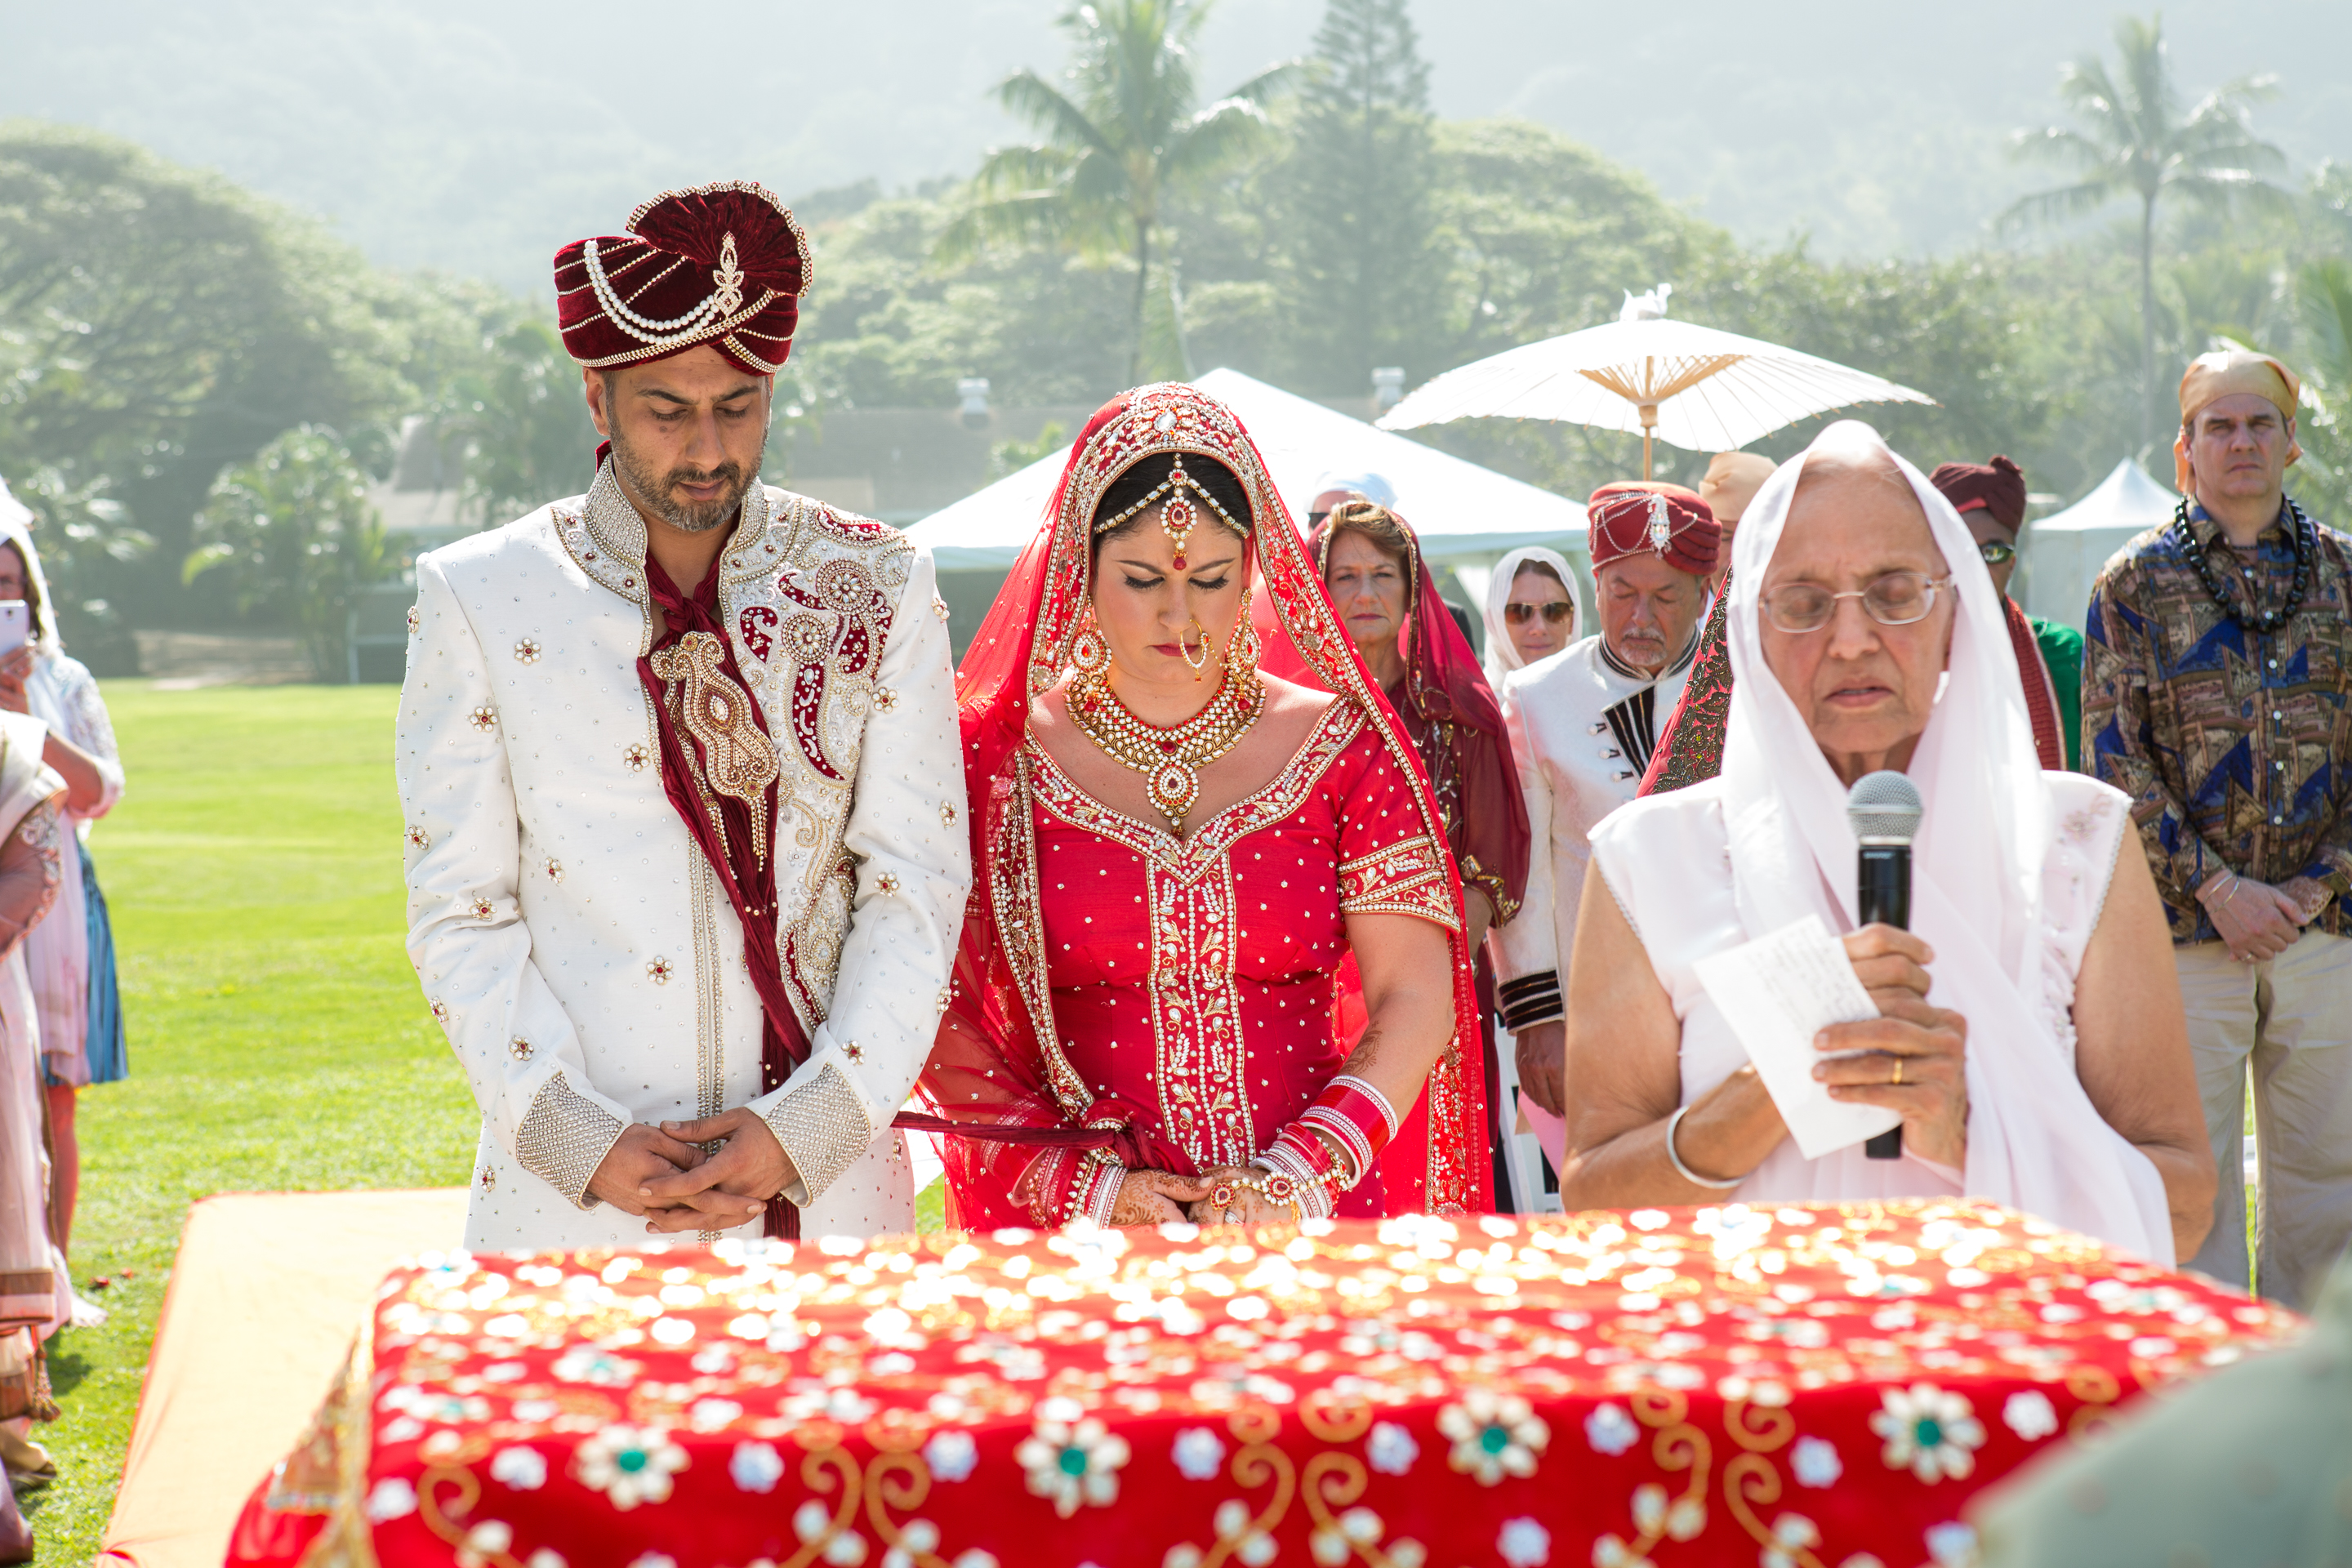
(1778, 992)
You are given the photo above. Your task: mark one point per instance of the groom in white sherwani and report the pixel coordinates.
(686, 852)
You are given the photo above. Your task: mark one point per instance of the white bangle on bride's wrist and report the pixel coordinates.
(1674, 1124)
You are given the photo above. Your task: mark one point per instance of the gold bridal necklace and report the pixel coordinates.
(1169, 759)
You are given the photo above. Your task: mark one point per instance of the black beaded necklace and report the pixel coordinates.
(2306, 546)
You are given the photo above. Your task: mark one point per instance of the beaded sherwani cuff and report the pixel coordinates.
(563, 1137)
(823, 1127)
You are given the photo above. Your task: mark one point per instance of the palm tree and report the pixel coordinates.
(2131, 137)
(1118, 144)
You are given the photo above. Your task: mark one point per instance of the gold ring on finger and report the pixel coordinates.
(1897, 1079)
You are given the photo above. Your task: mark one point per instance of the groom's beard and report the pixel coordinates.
(659, 491)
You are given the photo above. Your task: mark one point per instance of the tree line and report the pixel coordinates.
(196, 385)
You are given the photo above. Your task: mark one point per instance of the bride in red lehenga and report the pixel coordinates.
(1174, 853)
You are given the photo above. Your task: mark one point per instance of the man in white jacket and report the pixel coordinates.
(680, 765)
(1583, 723)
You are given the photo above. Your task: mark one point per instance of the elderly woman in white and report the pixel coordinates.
(2020, 1039)
(1530, 611)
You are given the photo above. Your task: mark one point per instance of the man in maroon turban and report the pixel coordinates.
(1990, 499)
(680, 766)
(1583, 724)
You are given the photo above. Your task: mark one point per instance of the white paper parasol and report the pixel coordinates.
(1690, 386)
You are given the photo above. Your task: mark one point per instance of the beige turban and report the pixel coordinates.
(1732, 481)
(2224, 374)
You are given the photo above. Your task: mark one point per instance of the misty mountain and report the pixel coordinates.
(476, 138)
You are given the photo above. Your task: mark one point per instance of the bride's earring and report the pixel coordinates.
(1087, 649)
(1242, 649)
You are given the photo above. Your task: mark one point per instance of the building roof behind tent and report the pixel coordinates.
(1458, 507)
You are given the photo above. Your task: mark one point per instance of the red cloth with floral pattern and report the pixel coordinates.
(1818, 1384)
(1193, 979)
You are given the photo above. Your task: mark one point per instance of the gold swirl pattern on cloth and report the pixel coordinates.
(737, 759)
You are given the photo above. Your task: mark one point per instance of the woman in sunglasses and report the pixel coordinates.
(1990, 499)
(1530, 611)
(2046, 1074)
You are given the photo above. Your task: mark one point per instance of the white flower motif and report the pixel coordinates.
(1494, 1435)
(918, 1538)
(2029, 1413)
(755, 1467)
(1199, 1454)
(629, 1465)
(586, 1363)
(391, 1499)
(1523, 1543)
(518, 1469)
(1072, 1462)
(1683, 1519)
(1332, 1544)
(1928, 1432)
(1611, 1552)
(1609, 1430)
(951, 1455)
(975, 1558)
(546, 1557)
(1392, 1450)
(1952, 1544)
(1816, 1462)
(1238, 1527)
(1793, 1535)
(483, 1543)
(653, 1559)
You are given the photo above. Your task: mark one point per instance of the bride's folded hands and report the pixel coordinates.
(1154, 1197)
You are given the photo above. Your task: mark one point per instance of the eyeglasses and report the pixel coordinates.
(1897, 599)
(1996, 554)
(1553, 613)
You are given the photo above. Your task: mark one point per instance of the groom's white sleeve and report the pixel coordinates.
(907, 835)
(466, 931)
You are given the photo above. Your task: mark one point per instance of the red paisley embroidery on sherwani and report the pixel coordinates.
(1178, 992)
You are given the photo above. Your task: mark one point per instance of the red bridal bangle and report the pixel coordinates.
(1359, 1115)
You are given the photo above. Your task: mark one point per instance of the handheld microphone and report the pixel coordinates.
(1884, 809)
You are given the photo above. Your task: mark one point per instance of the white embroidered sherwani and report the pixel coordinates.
(568, 933)
(1582, 725)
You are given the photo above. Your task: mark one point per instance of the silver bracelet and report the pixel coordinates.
(1674, 1123)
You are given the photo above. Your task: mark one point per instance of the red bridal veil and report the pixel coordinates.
(998, 1058)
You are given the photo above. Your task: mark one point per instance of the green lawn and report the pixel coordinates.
(278, 1039)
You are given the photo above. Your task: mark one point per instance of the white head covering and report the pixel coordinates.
(1502, 654)
(16, 528)
(1374, 487)
(2035, 1141)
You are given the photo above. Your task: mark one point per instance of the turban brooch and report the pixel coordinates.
(1668, 520)
(723, 264)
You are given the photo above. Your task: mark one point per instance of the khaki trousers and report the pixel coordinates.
(2291, 1018)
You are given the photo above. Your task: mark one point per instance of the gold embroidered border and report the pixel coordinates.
(1198, 1051)
(1408, 877)
(1020, 928)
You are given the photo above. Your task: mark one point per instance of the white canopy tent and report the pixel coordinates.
(1461, 510)
(2066, 552)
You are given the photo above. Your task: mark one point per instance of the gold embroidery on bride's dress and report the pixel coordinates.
(737, 759)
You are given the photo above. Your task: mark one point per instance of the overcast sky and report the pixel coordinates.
(478, 135)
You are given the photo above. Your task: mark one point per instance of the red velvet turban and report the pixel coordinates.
(722, 264)
(1999, 487)
(1634, 515)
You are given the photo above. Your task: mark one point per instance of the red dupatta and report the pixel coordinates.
(998, 1058)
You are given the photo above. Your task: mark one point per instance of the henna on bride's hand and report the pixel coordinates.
(1154, 1197)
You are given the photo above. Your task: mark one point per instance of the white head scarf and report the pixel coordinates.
(1502, 654)
(2035, 1141)
(16, 528)
(1374, 487)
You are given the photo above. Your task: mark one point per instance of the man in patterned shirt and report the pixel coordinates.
(2218, 695)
